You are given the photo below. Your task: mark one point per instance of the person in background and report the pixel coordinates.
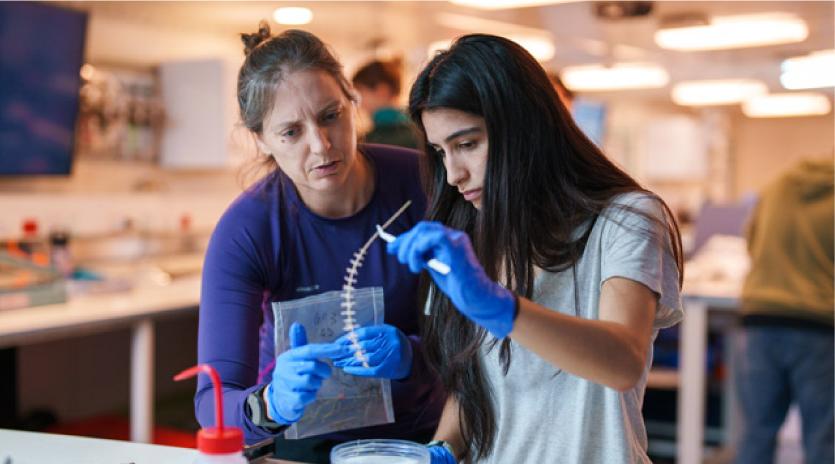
(589, 115)
(787, 340)
(290, 235)
(378, 84)
(566, 95)
(563, 268)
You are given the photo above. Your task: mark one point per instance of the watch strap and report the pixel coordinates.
(256, 409)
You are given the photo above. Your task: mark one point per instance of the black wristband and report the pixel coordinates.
(256, 410)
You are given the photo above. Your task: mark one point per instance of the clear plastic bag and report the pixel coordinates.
(344, 401)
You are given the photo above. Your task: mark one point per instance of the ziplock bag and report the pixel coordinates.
(344, 401)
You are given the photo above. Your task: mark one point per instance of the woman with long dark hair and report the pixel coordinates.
(563, 268)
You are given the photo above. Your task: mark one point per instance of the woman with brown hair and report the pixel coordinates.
(289, 236)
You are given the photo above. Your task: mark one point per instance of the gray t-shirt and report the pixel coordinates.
(545, 417)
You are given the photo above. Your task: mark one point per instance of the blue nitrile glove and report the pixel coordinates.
(388, 351)
(482, 300)
(440, 455)
(298, 374)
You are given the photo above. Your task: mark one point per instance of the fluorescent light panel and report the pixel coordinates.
(716, 92)
(541, 48)
(812, 71)
(292, 15)
(735, 32)
(537, 42)
(504, 4)
(471, 23)
(783, 105)
(621, 76)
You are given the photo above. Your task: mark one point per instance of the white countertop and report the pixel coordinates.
(98, 311)
(18, 447)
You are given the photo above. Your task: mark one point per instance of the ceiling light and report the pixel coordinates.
(540, 48)
(716, 92)
(621, 76)
(477, 24)
(537, 42)
(87, 72)
(808, 72)
(504, 4)
(292, 15)
(726, 32)
(783, 105)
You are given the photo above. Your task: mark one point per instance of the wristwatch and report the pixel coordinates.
(444, 445)
(256, 409)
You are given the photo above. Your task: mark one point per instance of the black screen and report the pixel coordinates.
(41, 53)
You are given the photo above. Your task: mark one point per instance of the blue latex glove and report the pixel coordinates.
(482, 300)
(298, 374)
(388, 351)
(440, 455)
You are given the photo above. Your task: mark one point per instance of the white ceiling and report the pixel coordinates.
(354, 28)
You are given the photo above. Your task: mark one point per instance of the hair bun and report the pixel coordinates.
(251, 41)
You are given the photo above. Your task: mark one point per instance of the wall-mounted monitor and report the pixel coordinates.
(41, 53)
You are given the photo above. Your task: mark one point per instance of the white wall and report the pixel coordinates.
(763, 148)
(114, 40)
(100, 196)
(743, 153)
(199, 119)
(642, 136)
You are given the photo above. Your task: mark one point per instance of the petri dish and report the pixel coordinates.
(380, 452)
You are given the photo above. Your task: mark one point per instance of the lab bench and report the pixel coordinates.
(137, 309)
(18, 447)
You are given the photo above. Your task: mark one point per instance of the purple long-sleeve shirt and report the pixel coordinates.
(268, 246)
